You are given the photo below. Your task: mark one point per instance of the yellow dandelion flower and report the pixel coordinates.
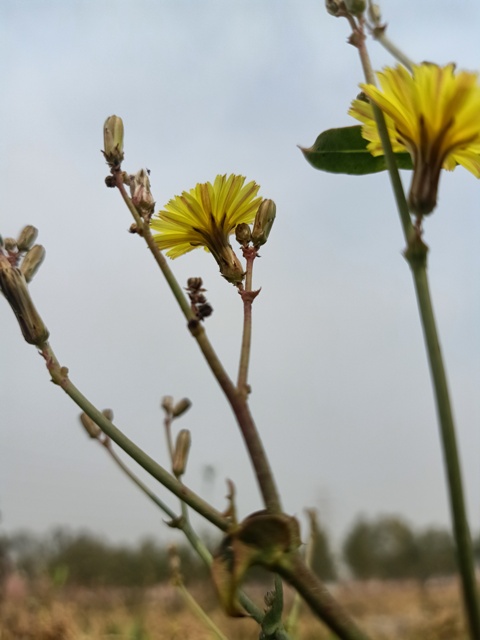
(434, 114)
(205, 217)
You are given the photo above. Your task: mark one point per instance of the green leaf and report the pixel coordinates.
(345, 151)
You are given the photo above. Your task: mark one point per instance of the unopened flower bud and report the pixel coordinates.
(141, 195)
(374, 13)
(10, 244)
(14, 287)
(263, 222)
(32, 261)
(89, 425)
(113, 141)
(108, 413)
(183, 405)
(27, 237)
(180, 456)
(167, 404)
(333, 7)
(355, 7)
(243, 234)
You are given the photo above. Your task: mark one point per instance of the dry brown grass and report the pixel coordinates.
(387, 610)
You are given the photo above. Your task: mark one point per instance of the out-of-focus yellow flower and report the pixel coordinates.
(431, 112)
(205, 217)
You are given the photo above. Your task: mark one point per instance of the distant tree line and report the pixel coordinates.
(384, 548)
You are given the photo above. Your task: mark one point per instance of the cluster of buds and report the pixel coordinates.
(262, 226)
(200, 307)
(180, 451)
(343, 8)
(19, 261)
(142, 198)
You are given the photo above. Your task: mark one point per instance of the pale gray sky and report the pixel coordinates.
(341, 389)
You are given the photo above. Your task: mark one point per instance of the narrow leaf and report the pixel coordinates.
(345, 151)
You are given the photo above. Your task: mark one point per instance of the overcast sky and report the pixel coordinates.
(340, 385)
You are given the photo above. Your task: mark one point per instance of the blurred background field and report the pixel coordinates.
(397, 582)
(387, 609)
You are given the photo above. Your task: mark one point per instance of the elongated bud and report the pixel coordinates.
(263, 222)
(180, 456)
(32, 261)
(113, 141)
(27, 237)
(243, 234)
(90, 426)
(181, 407)
(14, 288)
(141, 195)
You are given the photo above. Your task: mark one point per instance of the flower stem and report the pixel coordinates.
(416, 255)
(236, 399)
(248, 296)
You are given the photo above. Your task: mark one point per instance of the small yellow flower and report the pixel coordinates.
(205, 217)
(434, 114)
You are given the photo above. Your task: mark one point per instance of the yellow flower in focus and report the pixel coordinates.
(205, 217)
(434, 114)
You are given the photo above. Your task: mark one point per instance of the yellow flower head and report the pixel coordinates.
(434, 114)
(205, 217)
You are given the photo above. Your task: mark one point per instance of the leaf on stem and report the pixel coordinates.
(345, 151)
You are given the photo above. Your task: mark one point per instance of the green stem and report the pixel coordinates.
(416, 255)
(184, 525)
(451, 457)
(294, 570)
(247, 297)
(199, 612)
(60, 376)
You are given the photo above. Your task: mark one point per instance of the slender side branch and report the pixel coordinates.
(248, 296)
(60, 376)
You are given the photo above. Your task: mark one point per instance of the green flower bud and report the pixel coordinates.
(180, 456)
(243, 234)
(355, 7)
(32, 261)
(14, 287)
(181, 407)
(27, 237)
(263, 222)
(113, 141)
(90, 426)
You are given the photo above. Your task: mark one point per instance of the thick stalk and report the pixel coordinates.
(295, 572)
(450, 451)
(416, 255)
